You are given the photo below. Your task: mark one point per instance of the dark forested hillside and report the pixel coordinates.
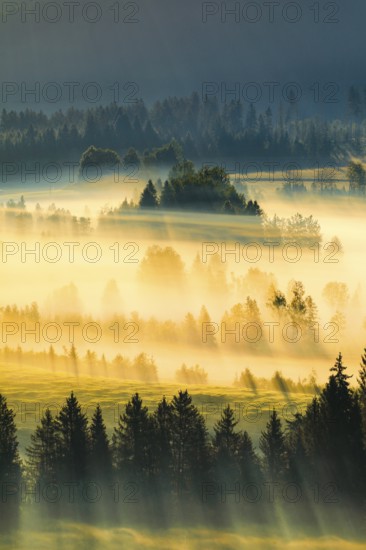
(197, 127)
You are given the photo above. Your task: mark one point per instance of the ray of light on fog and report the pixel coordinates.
(153, 294)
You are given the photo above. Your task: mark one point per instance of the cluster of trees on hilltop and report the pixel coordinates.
(201, 126)
(208, 189)
(168, 454)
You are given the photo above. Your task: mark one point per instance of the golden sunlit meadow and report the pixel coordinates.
(31, 391)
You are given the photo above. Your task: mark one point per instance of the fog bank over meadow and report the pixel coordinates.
(217, 262)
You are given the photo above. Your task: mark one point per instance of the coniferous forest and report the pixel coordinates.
(311, 467)
(199, 127)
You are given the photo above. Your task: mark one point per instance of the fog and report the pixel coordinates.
(97, 272)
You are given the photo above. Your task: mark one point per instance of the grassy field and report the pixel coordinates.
(74, 536)
(30, 391)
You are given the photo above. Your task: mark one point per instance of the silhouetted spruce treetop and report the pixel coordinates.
(100, 448)
(149, 198)
(131, 439)
(225, 435)
(72, 426)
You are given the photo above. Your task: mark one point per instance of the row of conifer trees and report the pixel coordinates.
(169, 452)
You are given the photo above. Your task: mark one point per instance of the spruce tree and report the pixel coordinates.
(72, 427)
(272, 445)
(163, 441)
(298, 467)
(148, 197)
(249, 464)
(341, 377)
(226, 441)
(168, 196)
(190, 448)
(132, 440)
(342, 442)
(9, 456)
(10, 467)
(100, 451)
(312, 432)
(44, 451)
